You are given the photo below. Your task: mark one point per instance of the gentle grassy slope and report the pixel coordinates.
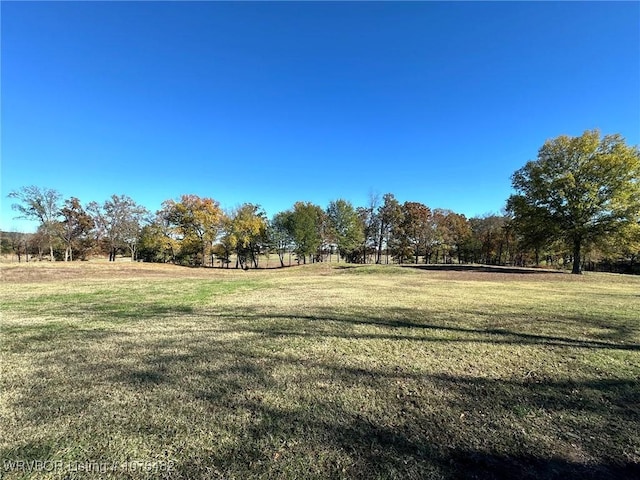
(327, 372)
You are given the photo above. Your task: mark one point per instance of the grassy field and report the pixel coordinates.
(150, 371)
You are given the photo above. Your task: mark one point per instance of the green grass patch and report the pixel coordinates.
(321, 372)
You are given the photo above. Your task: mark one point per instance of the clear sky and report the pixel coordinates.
(272, 103)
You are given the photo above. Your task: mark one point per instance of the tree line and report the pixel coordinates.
(577, 205)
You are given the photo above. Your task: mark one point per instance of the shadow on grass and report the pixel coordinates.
(479, 465)
(481, 268)
(400, 329)
(40, 337)
(111, 311)
(128, 311)
(409, 439)
(476, 430)
(317, 417)
(318, 325)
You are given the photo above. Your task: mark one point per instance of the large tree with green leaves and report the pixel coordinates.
(346, 227)
(306, 225)
(580, 189)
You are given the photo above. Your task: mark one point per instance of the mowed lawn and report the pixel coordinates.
(321, 371)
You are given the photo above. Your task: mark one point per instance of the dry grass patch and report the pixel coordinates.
(320, 372)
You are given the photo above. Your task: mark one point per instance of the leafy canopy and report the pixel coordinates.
(579, 189)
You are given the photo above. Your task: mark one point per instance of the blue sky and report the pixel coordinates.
(272, 103)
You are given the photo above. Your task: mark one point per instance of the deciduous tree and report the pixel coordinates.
(533, 224)
(75, 225)
(280, 234)
(42, 205)
(305, 227)
(346, 227)
(414, 231)
(248, 229)
(583, 187)
(622, 247)
(198, 219)
(488, 238)
(16, 243)
(119, 222)
(451, 235)
(389, 217)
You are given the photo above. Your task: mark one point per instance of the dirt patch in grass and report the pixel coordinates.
(493, 273)
(482, 268)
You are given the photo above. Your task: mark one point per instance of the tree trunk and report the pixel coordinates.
(380, 238)
(386, 250)
(254, 256)
(576, 255)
